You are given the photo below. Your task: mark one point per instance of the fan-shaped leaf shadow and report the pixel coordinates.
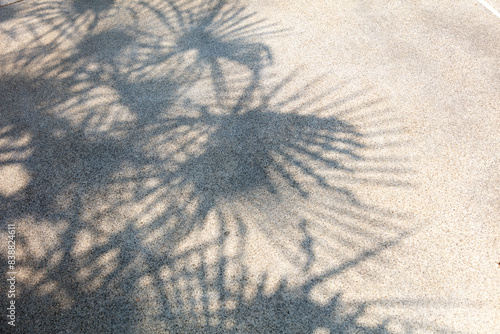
(159, 170)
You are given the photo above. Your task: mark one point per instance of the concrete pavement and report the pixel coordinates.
(192, 166)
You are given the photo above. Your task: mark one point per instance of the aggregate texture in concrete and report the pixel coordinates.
(253, 166)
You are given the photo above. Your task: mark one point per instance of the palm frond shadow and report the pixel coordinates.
(197, 44)
(217, 32)
(207, 301)
(270, 154)
(58, 22)
(162, 169)
(134, 204)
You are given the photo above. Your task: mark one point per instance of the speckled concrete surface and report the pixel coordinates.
(194, 166)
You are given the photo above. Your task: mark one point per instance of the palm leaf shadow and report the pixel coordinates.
(217, 32)
(150, 214)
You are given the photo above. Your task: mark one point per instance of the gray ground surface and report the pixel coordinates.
(193, 166)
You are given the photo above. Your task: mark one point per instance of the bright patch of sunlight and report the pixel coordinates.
(39, 237)
(321, 330)
(13, 179)
(84, 243)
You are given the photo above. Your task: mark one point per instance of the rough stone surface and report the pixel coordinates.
(209, 166)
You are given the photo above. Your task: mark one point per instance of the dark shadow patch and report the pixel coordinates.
(105, 46)
(7, 13)
(96, 6)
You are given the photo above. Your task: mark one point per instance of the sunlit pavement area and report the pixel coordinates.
(254, 166)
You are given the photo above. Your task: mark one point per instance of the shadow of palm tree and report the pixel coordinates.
(151, 203)
(264, 147)
(39, 21)
(206, 303)
(217, 32)
(151, 71)
(264, 151)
